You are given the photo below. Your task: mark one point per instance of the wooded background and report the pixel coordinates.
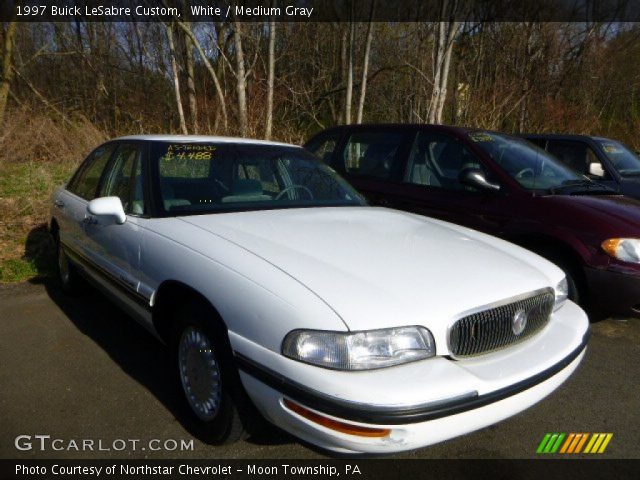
(290, 80)
(64, 87)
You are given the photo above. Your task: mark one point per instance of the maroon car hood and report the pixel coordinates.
(612, 210)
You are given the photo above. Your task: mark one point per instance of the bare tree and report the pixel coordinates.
(270, 79)
(210, 69)
(241, 79)
(189, 70)
(7, 67)
(338, 114)
(349, 88)
(365, 64)
(241, 72)
(176, 79)
(446, 35)
(191, 83)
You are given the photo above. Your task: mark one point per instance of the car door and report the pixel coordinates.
(115, 248)
(73, 200)
(431, 185)
(582, 158)
(372, 160)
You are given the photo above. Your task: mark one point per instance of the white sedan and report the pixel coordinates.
(279, 291)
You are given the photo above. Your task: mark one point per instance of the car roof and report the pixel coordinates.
(398, 125)
(561, 136)
(201, 139)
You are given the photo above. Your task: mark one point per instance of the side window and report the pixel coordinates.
(323, 146)
(124, 180)
(85, 181)
(436, 160)
(571, 153)
(373, 154)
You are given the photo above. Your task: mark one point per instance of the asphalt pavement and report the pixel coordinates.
(79, 370)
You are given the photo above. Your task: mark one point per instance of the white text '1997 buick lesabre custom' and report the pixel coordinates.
(278, 290)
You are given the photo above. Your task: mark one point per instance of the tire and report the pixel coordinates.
(207, 375)
(67, 275)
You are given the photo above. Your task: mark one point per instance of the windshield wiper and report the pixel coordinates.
(581, 187)
(629, 173)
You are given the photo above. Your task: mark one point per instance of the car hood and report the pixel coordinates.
(618, 211)
(631, 186)
(379, 268)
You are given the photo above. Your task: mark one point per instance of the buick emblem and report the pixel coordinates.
(519, 321)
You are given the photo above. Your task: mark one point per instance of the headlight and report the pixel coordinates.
(562, 293)
(625, 249)
(359, 350)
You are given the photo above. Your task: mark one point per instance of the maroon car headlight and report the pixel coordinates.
(625, 249)
(359, 350)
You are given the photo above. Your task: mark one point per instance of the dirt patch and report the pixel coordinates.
(618, 328)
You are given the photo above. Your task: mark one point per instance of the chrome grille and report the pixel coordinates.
(492, 329)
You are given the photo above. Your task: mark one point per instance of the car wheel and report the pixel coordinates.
(67, 274)
(208, 377)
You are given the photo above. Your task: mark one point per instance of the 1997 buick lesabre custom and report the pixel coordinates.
(359, 329)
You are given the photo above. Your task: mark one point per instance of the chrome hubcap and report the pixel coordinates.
(199, 373)
(63, 265)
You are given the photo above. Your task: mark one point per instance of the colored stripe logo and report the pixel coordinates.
(574, 443)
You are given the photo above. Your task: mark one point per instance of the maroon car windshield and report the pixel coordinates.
(530, 166)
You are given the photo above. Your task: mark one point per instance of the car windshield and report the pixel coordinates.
(623, 159)
(220, 177)
(530, 166)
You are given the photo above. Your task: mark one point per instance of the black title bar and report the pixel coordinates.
(320, 10)
(356, 468)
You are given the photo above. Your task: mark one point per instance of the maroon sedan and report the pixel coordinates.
(504, 186)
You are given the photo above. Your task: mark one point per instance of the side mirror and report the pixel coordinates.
(108, 207)
(474, 177)
(596, 169)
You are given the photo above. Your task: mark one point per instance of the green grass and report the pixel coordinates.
(31, 180)
(17, 270)
(26, 249)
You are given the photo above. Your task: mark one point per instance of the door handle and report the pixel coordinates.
(59, 203)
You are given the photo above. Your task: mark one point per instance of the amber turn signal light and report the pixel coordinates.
(342, 427)
(611, 246)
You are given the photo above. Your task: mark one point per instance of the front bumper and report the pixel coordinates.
(614, 292)
(420, 403)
